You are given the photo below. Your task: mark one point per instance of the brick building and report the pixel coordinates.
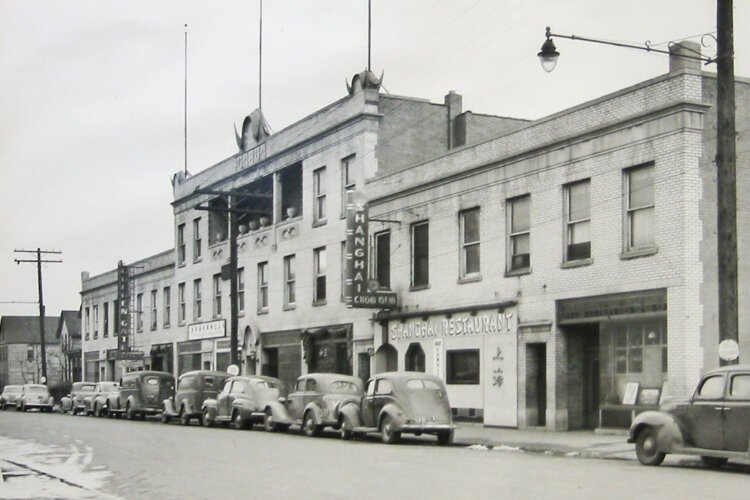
(20, 350)
(68, 334)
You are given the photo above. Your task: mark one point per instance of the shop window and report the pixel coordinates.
(348, 182)
(263, 286)
(632, 339)
(197, 241)
(462, 367)
(217, 295)
(639, 185)
(180, 244)
(290, 281)
(382, 264)
(241, 289)
(319, 191)
(578, 221)
(420, 250)
(319, 280)
(519, 223)
(181, 300)
(153, 310)
(469, 236)
(415, 358)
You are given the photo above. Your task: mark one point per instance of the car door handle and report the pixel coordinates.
(720, 408)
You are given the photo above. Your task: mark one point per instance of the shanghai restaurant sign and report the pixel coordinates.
(123, 308)
(481, 324)
(360, 291)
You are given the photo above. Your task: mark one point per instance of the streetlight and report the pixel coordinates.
(726, 173)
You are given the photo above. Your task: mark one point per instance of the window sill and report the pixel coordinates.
(198, 260)
(418, 288)
(181, 323)
(639, 252)
(470, 279)
(290, 307)
(166, 326)
(318, 223)
(518, 272)
(262, 311)
(319, 303)
(576, 263)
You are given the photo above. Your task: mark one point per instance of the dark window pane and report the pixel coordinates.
(471, 226)
(383, 259)
(462, 367)
(420, 263)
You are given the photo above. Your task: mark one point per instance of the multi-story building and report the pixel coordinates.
(68, 335)
(21, 353)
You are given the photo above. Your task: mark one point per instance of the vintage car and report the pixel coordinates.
(317, 398)
(400, 402)
(245, 401)
(140, 394)
(73, 402)
(96, 402)
(714, 423)
(34, 396)
(193, 388)
(10, 395)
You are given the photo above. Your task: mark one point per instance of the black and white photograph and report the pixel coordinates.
(374, 249)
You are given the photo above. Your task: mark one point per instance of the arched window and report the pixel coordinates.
(415, 358)
(386, 359)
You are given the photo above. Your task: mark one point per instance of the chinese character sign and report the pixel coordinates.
(122, 311)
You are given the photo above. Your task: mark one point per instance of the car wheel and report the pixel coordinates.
(445, 438)
(164, 417)
(269, 422)
(387, 428)
(207, 419)
(645, 448)
(239, 421)
(308, 425)
(184, 417)
(345, 429)
(97, 410)
(2, 405)
(713, 462)
(129, 412)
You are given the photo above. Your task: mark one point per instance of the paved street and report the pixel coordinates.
(99, 458)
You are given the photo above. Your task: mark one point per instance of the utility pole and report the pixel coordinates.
(726, 184)
(39, 262)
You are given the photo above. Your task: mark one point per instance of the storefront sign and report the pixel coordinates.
(360, 291)
(437, 357)
(729, 350)
(130, 355)
(207, 330)
(481, 324)
(122, 310)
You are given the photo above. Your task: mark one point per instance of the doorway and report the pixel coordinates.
(536, 384)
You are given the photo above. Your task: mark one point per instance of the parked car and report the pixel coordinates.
(97, 402)
(140, 394)
(317, 398)
(73, 402)
(34, 396)
(400, 402)
(10, 395)
(714, 423)
(192, 389)
(246, 401)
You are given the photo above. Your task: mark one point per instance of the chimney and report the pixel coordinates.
(679, 63)
(454, 103)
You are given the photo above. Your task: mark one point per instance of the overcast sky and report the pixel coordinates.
(91, 96)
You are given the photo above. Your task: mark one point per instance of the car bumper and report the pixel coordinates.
(426, 428)
(37, 405)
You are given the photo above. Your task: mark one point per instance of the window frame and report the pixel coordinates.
(414, 257)
(319, 276)
(571, 224)
(105, 320)
(182, 306)
(154, 310)
(96, 321)
(514, 236)
(166, 300)
(216, 295)
(139, 312)
(348, 182)
(197, 299)
(320, 217)
(631, 212)
(197, 240)
(290, 281)
(465, 246)
(181, 244)
(262, 286)
(450, 378)
(376, 262)
(241, 290)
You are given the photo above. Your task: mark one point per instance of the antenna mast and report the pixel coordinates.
(260, 58)
(185, 110)
(369, 33)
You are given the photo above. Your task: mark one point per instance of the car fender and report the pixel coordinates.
(316, 411)
(133, 402)
(350, 411)
(210, 404)
(188, 407)
(395, 412)
(279, 412)
(113, 402)
(168, 406)
(671, 433)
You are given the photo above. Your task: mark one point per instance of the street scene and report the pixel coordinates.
(355, 248)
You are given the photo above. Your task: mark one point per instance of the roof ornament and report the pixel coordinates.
(255, 129)
(364, 80)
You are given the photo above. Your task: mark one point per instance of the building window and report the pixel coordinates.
(290, 281)
(469, 222)
(420, 253)
(462, 367)
(87, 323)
(105, 314)
(263, 286)
(578, 221)
(632, 339)
(640, 208)
(519, 251)
(197, 299)
(347, 180)
(197, 242)
(167, 300)
(319, 187)
(241, 289)
(217, 295)
(319, 269)
(29, 352)
(139, 312)
(343, 271)
(153, 310)
(382, 264)
(414, 361)
(181, 301)
(96, 322)
(181, 244)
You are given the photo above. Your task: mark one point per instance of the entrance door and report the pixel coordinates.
(591, 381)
(536, 384)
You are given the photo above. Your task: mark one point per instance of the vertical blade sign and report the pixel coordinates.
(122, 311)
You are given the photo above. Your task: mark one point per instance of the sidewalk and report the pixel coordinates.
(588, 444)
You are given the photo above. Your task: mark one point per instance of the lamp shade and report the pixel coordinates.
(548, 55)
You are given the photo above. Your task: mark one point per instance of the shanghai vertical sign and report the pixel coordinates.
(360, 291)
(123, 318)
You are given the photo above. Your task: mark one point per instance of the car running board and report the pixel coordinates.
(739, 455)
(365, 430)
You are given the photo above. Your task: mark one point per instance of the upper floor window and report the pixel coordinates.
(262, 286)
(469, 222)
(290, 281)
(167, 300)
(347, 180)
(639, 185)
(519, 222)
(319, 270)
(578, 221)
(420, 253)
(382, 264)
(96, 322)
(139, 312)
(181, 303)
(342, 274)
(87, 323)
(197, 299)
(181, 244)
(105, 319)
(241, 289)
(319, 190)
(154, 314)
(217, 295)
(197, 241)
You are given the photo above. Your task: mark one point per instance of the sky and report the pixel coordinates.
(92, 96)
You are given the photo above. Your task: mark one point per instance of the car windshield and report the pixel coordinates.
(12, 390)
(37, 390)
(420, 383)
(87, 388)
(108, 387)
(344, 387)
(268, 384)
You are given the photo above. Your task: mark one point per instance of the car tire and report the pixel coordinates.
(713, 462)
(269, 423)
(390, 435)
(164, 417)
(445, 438)
(308, 425)
(238, 420)
(184, 417)
(645, 447)
(129, 412)
(97, 410)
(345, 429)
(206, 419)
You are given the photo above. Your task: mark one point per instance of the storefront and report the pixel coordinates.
(474, 350)
(281, 355)
(328, 349)
(162, 357)
(91, 366)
